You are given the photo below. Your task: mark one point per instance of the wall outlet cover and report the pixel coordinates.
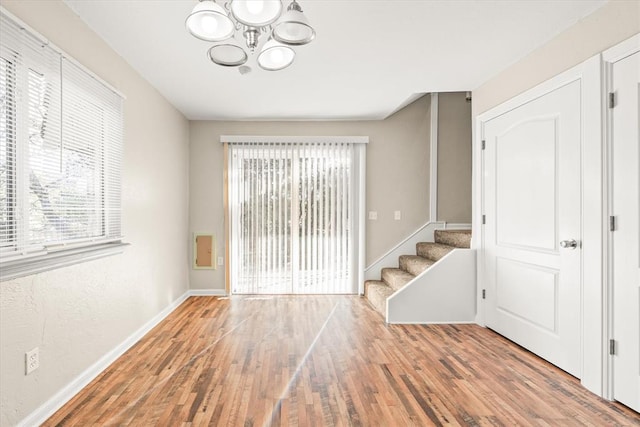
(32, 360)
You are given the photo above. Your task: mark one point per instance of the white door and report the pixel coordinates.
(625, 239)
(531, 205)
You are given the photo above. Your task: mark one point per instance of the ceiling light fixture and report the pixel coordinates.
(248, 21)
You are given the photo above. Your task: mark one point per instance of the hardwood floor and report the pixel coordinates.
(328, 361)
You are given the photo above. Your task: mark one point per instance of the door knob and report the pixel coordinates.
(569, 244)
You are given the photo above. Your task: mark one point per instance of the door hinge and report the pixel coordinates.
(612, 347)
(484, 294)
(484, 219)
(612, 99)
(612, 223)
(484, 144)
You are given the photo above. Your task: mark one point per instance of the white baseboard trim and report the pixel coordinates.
(467, 322)
(58, 400)
(457, 226)
(207, 292)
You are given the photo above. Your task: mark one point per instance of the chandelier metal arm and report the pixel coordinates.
(294, 6)
(252, 36)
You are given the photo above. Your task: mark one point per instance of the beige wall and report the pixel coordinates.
(615, 22)
(76, 315)
(397, 175)
(454, 158)
(607, 26)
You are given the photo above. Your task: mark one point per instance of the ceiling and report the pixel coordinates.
(369, 58)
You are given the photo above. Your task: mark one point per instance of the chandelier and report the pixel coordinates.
(249, 20)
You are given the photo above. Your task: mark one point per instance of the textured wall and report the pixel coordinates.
(606, 27)
(77, 314)
(397, 175)
(454, 158)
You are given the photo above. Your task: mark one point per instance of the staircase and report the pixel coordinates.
(410, 266)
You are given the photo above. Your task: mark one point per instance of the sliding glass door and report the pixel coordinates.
(292, 218)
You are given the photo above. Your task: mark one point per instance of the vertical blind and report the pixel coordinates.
(60, 150)
(291, 209)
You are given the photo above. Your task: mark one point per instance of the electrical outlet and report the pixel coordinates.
(220, 260)
(397, 215)
(31, 361)
(373, 215)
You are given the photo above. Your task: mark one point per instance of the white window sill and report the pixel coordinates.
(62, 258)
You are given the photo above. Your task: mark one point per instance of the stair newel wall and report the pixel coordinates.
(436, 285)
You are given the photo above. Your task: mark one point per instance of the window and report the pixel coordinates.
(294, 212)
(60, 157)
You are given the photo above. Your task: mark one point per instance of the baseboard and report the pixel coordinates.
(207, 292)
(465, 322)
(457, 226)
(47, 409)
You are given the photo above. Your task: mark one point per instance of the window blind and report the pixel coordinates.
(292, 218)
(91, 156)
(30, 126)
(60, 150)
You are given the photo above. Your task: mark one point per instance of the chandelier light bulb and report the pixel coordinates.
(256, 13)
(255, 7)
(210, 22)
(293, 27)
(275, 56)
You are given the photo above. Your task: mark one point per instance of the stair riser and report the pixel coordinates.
(395, 278)
(413, 266)
(459, 239)
(377, 293)
(378, 301)
(432, 252)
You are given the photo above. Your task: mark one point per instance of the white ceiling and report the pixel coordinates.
(369, 58)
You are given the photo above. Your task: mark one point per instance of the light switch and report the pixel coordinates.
(373, 215)
(397, 215)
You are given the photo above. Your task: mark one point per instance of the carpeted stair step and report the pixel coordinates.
(428, 253)
(377, 293)
(457, 238)
(432, 251)
(414, 264)
(396, 278)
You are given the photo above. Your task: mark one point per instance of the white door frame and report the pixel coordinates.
(609, 57)
(593, 208)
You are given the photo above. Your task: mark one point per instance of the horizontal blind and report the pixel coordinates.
(91, 156)
(60, 150)
(291, 218)
(30, 139)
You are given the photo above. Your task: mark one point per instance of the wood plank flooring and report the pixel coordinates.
(328, 361)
